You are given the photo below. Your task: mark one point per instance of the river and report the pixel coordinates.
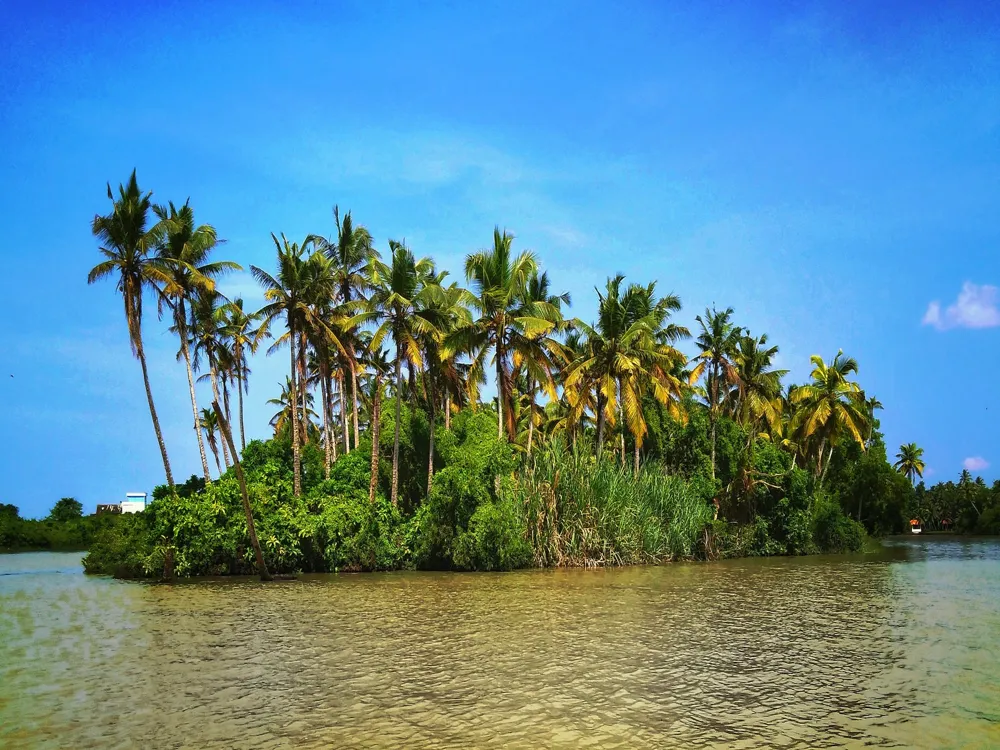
(899, 648)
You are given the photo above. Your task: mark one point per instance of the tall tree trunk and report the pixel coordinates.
(376, 435)
(215, 452)
(227, 437)
(600, 424)
(447, 412)
(395, 439)
(711, 420)
(826, 465)
(531, 412)
(328, 414)
(141, 354)
(636, 458)
(430, 453)
(225, 399)
(354, 400)
(194, 404)
(241, 384)
(714, 391)
(343, 411)
(303, 388)
(294, 404)
(215, 392)
(326, 423)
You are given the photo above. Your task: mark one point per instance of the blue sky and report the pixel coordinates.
(831, 172)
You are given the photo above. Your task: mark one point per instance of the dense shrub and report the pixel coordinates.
(834, 531)
(494, 540)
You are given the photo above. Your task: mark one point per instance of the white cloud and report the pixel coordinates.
(976, 463)
(977, 306)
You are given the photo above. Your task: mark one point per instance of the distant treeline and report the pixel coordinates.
(65, 528)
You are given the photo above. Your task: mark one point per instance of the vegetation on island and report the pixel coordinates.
(64, 528)
(605, 444)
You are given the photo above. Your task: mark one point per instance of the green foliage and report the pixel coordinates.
(494, 539)
(67, 509)
(834, 531)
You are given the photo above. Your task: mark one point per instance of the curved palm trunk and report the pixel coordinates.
(430, 453)
(141, 354)
(395, 439)
(343, 411)
(531, 412)
(354, 401)
(376, 434)
(243, 432)
(714, 390)
(328, 414)
(215, 452)
(303, 390)
(194, 405)
(447, 412)
(296, 450)
(215, 392)
(326, 422)
(227, 437)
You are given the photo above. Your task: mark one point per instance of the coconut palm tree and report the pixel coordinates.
(445, 309)
(829, 409)
(394, 307)
(628, 353)
(191, 273)
(910, 461)
(498, 280)
(283, 417)
(209, 422)
(540, 356)
(128, 247)
(209, 342)
(350, 251)
(244, 332)
(718, 341)
(755, 400)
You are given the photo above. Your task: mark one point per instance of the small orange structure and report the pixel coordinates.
(915, 527)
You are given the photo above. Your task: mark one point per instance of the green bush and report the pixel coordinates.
(495, 539)
(834, 531)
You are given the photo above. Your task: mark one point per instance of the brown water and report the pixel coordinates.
(901, 648)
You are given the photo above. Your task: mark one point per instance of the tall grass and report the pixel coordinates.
(587, 512)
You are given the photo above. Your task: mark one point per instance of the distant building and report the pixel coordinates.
(134, 502)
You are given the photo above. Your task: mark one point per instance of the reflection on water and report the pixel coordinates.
(895, 649)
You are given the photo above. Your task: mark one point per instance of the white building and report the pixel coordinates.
(134, 502)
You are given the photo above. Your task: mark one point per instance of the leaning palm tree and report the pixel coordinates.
(910, 461)
(128, 245)
(209, 342)
(498, 280)
(191, 273)
(718, 341)
(394, 307)
(209, 422)
(829, 409)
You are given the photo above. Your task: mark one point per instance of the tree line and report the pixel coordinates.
(361, 326)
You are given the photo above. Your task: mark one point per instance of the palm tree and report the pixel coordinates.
(191, 273)
(718, 341)
(350, 253)
(910, 461)
(378, 361)
(445, 309)
(628, 353)
(127, 245)
(209, 341)
(285, 402)
(299, 293)
(540, 355)
(829, 408)
(394, 307)
(498, 281)
(244, 333)
(756, 398)
(209, 422)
